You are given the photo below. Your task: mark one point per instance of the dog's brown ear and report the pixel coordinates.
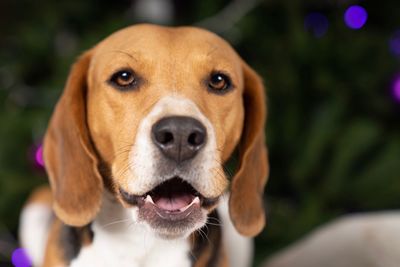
(70, 160)
(246, 198)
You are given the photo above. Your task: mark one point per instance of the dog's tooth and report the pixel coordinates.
(194, 201)
(184, 208)
(149, 199)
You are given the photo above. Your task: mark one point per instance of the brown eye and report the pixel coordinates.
(123, 79)
(219, 82)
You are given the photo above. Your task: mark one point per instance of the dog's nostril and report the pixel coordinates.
(196, 139)
(164, 137)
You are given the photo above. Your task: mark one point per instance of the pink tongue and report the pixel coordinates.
(174, 203)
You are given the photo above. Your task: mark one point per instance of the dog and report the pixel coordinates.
(135, 152)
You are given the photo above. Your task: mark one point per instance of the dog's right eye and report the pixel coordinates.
(124, 80)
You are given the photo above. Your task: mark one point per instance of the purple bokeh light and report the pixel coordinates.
(39, 156)
(19, 258)
(394, 43)
(396, 88)
(316, 23)
(355, 17)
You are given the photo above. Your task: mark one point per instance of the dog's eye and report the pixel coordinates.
(123, 79)
(219, 82)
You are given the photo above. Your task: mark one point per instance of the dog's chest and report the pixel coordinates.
(134, 247)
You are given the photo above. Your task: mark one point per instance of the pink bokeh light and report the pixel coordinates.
(39, 156)
(396, 89)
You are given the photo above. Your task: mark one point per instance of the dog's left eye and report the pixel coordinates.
(124, 79)
(219, 82)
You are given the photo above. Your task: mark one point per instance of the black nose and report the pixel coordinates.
(179, 138)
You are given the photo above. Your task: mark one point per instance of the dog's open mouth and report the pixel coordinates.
(174, 199)
(172, 207)
(173, 196)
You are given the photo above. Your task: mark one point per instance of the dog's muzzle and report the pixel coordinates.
(175, 203)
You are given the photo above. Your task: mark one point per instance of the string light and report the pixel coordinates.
(355, 17)
(19, 258)
(316, 23)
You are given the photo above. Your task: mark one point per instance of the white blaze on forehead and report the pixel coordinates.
(144, 154)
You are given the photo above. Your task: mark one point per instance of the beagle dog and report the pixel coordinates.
(135, 153)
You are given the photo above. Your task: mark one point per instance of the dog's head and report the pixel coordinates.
(152, 113)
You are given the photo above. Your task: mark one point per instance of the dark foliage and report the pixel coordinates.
(333, 129)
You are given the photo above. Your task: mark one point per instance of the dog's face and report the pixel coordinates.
(157, 113)
(161, 109)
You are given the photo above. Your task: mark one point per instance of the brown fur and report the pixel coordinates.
(41, 195)
(246, 201)
(207, 246)
(92, 121)
(54, 253)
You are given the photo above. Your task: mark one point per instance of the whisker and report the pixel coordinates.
(215, 219)
(213, 224)
(121, 152)
(226, 170)
(204, 234)
(116, 222)
(200, 232)
(123, 170)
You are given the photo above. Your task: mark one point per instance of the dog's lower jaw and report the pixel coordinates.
(170, 226)
(169, 231)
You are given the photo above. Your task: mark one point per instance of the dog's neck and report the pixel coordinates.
(118, 241)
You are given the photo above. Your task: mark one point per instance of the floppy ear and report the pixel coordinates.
(246, 198)
(70, 160)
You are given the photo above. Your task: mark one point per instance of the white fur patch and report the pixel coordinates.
(34, 226)
(239, 248)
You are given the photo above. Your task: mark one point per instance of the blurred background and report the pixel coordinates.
(332, 72)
